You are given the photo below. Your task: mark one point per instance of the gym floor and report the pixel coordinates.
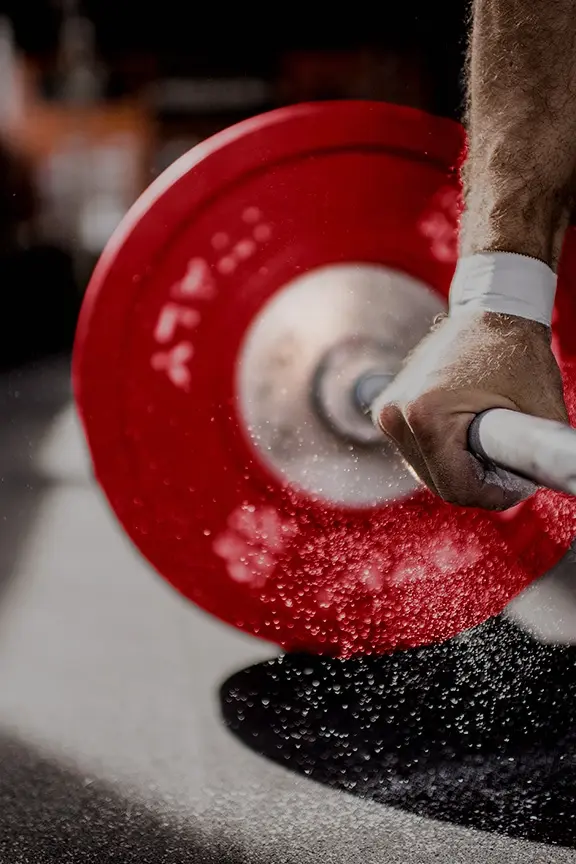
(112, 742)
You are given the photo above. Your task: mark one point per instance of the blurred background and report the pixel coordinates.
(98, 97)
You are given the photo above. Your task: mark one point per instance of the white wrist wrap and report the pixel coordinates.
(504, 282)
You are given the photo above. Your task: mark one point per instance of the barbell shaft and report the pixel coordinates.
(543, 451)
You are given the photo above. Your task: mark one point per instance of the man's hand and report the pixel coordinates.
(519, 189)
(469, 363)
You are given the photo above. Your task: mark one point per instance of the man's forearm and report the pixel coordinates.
(521, 127)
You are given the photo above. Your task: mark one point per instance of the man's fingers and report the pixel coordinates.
(458, 476)
(393, 423)
(436, 449)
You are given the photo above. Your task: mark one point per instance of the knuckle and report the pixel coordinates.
(428, 425)
(419, 413)
(390, 420)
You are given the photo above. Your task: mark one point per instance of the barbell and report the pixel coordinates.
(242, 319)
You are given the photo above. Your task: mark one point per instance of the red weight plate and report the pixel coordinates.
(161, 331)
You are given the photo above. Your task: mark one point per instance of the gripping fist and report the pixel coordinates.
(469, 363)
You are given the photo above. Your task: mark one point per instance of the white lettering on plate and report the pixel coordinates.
(197, 283)
(371, 577)
(440, 224)
(174, 364)
(236, 250)
(252, 543)
(171, 316)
